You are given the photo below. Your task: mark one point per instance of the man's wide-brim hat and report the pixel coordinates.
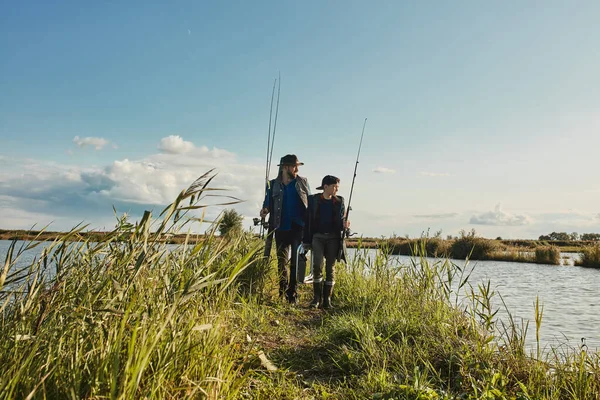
(289, 159)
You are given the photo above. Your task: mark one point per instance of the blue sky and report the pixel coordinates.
(480, 115)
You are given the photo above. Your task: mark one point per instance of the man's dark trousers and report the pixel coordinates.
(283, 240)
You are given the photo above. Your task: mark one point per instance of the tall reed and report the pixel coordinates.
(590, 257)
(125, 317)
(547, 255)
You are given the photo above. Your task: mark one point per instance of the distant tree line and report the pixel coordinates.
(570, 236)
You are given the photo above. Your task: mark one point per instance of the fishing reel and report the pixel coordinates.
(349, 233)
(260, 221)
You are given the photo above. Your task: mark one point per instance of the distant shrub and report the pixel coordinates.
(431, 247)
(399, 246)
(523, 243)
(437, 247)
(513, 254)
(468, 245)
(547, 255)
(230, 223)
(590, 257)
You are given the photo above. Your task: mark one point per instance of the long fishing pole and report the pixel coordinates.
(346, 232)
(341, 256)
(270, 146)
(268, 158)
(276, 115)
(268, 166)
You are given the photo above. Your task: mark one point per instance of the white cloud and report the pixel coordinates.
(88, 194)
(434, 174)
(499, 218)
(175, 144)
(97, 143)
(384, 170)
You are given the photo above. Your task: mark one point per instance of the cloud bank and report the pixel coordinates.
(32, 188)
(499, 218)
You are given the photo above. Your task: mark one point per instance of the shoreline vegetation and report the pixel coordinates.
(468, 244)
(126, 317)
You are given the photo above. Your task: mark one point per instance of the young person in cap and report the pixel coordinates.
(325, 220)
(286, 200)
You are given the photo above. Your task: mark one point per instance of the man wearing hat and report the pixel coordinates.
(286, 199)
(325, 221)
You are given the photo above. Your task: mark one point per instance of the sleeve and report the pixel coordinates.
(267, 200)
(307, 237)
(342, 212)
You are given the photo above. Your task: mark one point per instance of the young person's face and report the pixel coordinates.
(331, 190)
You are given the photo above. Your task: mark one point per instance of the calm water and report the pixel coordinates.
(569, 295)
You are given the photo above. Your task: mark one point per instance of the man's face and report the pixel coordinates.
(331, 190)
(291, 170)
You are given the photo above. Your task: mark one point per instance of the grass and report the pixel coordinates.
(547, 255)
(590, 257)
(129, 318)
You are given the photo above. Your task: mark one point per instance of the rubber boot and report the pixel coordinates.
(317, 289)
(292, 296)
(327, 292)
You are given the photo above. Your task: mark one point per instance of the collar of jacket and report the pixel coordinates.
(277, 199)
(301, 188)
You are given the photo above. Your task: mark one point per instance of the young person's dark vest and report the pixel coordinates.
(312, 224)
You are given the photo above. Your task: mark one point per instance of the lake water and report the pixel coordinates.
(569, 295)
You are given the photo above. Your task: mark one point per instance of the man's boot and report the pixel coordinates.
(327, 292)
(292, 296)
(317, 289)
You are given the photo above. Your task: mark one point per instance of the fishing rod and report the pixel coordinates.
(346, 232)
(348, 208)
(270, 146)
(275, 124)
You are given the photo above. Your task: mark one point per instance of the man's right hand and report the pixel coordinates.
(264, 212)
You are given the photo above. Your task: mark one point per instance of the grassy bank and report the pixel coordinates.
(130, 319)
(469, 246)
(89, 236)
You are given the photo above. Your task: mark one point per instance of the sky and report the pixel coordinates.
(480, 115)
